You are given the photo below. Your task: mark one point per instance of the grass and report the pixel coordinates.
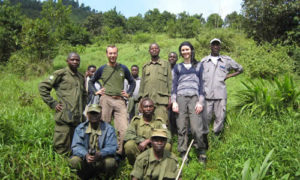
(26, 127)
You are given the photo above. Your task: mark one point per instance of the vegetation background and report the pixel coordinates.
(261, 138)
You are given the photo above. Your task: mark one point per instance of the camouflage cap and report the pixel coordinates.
(159, 133)
(94, 108)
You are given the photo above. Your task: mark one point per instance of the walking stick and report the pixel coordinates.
(184, 159)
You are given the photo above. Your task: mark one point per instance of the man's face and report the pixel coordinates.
(134, 72)
(173, 58)
(158, 143)
(73, 62)
(147, 108)
(154, 50)
(94, 117)
(112, 54)
(91, 71)
(215, 48)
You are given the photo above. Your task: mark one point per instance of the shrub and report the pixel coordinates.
(266, 61)
(141, 38)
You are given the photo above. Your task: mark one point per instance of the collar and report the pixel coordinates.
(70, 71)
(209, 58)
(157, 62)
(142, 121)
(89, 130)
(138, 78)
(152, 157)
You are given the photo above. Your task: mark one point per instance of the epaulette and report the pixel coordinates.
(136, 118)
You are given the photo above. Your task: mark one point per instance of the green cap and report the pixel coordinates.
(94, 108)
(159, 133)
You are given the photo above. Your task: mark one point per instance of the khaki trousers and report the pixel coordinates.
(218, 107)
(116, 108)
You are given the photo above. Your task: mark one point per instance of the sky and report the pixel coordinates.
(130, 8)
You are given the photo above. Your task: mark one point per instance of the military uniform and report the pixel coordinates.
(71, 93)
(139, 131)
(147, 167)
(156, 84)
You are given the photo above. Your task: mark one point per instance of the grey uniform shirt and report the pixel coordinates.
(214, 76)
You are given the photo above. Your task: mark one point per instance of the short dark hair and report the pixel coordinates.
(71, 54)
(173, 53)
(142, 102)
(91, 66)
(111, 46)
(154, 44)
(134, 66)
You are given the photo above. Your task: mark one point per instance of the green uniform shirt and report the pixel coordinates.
(147, 167)
(156, 81)
(70, 91)
(139, 130)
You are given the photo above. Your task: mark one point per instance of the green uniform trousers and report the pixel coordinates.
(62, 139)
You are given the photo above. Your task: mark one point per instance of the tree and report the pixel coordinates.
(135, 24)
(234, 20)
(113, 19)
(94, 23)
(214, 21)
(268, 20)
(153, 19)
(10, 28)
(187, 25)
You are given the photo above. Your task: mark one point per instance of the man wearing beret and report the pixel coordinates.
(94, 146)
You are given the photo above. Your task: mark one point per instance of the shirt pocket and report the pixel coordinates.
(163, 75)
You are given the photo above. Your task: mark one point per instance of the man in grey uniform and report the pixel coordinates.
(216, 70)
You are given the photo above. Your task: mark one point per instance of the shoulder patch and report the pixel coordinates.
(164, 126)
(51, 77)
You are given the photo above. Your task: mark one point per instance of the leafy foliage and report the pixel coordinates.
(262, 97)
(214, 21)
(270, 20)
(10, 29)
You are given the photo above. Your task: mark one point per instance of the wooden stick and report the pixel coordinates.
(184, 159)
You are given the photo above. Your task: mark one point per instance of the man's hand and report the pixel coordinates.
(89, 158)
(124, 94)
(198, 108)
(142, 146)
(100, 92)
(58, 107)
(175, 107)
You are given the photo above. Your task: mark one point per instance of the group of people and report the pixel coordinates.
(169, 97)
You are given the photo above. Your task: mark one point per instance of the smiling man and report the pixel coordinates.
(112, 101)
(70, 91)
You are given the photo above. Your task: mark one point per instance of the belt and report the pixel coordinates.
(116, 97)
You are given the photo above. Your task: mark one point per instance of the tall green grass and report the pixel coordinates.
(26, 123)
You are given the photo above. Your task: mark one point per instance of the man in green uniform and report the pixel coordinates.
(138, 134)
(156, 162)
(157, 82)
(69, 86)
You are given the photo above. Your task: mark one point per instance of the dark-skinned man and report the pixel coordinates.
(157, 82)
(70, 91)
(216, 70)
(156, 162)
(172, 58)
(133, 101)
(94, 146)
(138, 134)
(112, 101)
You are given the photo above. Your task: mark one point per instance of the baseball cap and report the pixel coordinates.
(215, 39)
(94, 108)
(159, 133)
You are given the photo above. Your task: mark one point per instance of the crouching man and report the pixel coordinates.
(156, 162)
(94, 146)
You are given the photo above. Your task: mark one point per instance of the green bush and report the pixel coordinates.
(266, 61)
(141, 38)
